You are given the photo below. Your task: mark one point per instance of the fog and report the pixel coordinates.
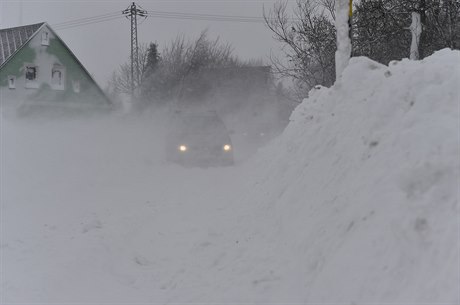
(118, 133)
(92, 212)
(65, 179)
(67, 176)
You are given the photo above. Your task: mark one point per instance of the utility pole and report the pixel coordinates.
(133, 11)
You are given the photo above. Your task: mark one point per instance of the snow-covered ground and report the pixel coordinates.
(357, 202)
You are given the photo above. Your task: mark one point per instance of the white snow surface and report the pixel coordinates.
(357, 202)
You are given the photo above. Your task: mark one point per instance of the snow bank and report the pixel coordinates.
(355, 203)
(358, 199)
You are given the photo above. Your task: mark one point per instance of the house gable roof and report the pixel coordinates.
(21, 35)
(13, 39)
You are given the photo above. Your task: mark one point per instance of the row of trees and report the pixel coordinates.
(381, 27)
(204, 72)
(180, 70)
(380, 31)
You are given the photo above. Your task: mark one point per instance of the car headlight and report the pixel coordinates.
(227, 147)
(182, 148)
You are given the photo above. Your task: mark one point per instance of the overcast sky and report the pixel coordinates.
(103, 46)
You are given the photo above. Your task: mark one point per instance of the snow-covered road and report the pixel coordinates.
(87, 202)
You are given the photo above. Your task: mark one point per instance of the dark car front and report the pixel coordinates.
(199, 140)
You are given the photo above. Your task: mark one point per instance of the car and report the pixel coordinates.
(198, 139)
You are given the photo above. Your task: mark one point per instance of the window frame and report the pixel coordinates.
(45, 38)
(31, 83)
(61, 85)
(11, 85)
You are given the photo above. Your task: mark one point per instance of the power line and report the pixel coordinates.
(164, 15)
(197, 18)
(206, 15)
(64, 27)
(211, 17)
(86, 19)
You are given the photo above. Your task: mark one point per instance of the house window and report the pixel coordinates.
(31, 73)
(12, 82)
(57, 77)
(31, 77)
(76, 86)
(45, 38)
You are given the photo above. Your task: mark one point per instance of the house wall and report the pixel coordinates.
(75, 87)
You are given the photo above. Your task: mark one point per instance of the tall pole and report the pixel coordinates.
(416, 30)
(134, 45)
(343, 8)
(133, 11)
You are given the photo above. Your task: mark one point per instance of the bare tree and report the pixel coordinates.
(308, 42)
(121, 79)
(182, 67)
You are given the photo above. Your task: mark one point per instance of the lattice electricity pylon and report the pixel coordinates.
(133, 11)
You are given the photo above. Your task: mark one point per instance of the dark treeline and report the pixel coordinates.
(380, 31)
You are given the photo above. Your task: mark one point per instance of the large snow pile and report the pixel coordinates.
(355, 203)
(360, 194)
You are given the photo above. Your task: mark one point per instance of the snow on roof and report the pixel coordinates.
(12, 39)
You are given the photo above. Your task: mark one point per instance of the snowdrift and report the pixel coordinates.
(358, 199)
(357, 202)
